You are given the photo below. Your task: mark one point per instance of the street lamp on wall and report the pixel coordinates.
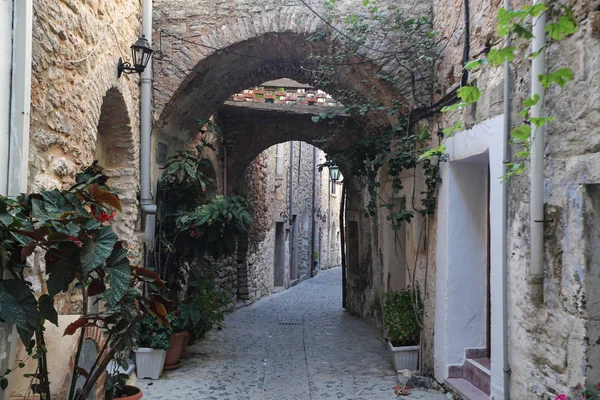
(284, 216)
(140, 53)
(334, 173)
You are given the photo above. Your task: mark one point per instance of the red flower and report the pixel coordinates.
(76, 240)
(561, 397)
(196, 234)
(104, 217)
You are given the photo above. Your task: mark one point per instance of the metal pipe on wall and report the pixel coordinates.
(146, 202)
(20, 102)
(506, 136)
(536, 210)
(313, 228)
(343, 242)
(291, 209)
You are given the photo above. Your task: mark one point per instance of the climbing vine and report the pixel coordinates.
(411, 46)
(518, 24)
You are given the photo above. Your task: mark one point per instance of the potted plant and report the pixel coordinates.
(176, 340)
(115, 385)
(152, 348)
(401, 313)
(203, 307)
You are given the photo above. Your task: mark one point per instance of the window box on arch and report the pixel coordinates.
(401, 313)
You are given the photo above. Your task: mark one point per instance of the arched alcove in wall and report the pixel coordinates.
(116, 154)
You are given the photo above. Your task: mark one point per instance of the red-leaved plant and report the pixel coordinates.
(79, 247)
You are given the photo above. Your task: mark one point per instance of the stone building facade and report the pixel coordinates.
(550, 343)
(81, 111)
(292, 245)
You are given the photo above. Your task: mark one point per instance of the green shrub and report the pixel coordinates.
(203, 308)
(154, 334)
(401, 318)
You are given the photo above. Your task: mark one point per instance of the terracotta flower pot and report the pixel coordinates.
(186, 342)
(174, 352)
(131, 393)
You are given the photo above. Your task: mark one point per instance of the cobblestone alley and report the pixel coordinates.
(294, 345)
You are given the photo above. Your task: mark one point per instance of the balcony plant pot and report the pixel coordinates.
(130, 393)
(186, 342)
(174, 352)
(405, 357)
(149, 362)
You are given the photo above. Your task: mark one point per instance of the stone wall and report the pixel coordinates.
(268, 187)
(77, 98)
(551, 345)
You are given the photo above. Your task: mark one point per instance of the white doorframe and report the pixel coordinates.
(459, 315)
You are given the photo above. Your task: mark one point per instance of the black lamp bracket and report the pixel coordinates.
(124, 68)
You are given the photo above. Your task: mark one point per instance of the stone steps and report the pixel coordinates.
(472, 379)
(465, 389)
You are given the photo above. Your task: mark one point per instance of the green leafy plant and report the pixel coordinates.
(114, 384)
(154, 333)
(71, 230)
(183, 187)
(400, 317)
(203, 307)
(176, 321)
(214, 226)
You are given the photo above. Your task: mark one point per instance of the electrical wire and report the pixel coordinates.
(329, 24)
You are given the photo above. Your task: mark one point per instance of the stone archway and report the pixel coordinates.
(282, 55)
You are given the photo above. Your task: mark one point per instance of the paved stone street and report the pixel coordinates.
(294, 345)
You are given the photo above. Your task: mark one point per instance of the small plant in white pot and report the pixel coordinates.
(401, 314)
(152, 348)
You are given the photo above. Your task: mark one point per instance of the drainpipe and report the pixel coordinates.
(343, 242)
(224, 171)
(146, 203)
(506, 136)
(538, 68)
(20, 99)
(312, 241)
(14, 133)
(291, 208)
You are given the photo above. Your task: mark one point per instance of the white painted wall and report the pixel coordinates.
(16, 19)
(6, 13)
(460, 319)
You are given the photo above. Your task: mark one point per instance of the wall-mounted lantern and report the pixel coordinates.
(284, 216)
(334, 173)
(140, 53)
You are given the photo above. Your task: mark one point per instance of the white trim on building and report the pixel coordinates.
(462, 250)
